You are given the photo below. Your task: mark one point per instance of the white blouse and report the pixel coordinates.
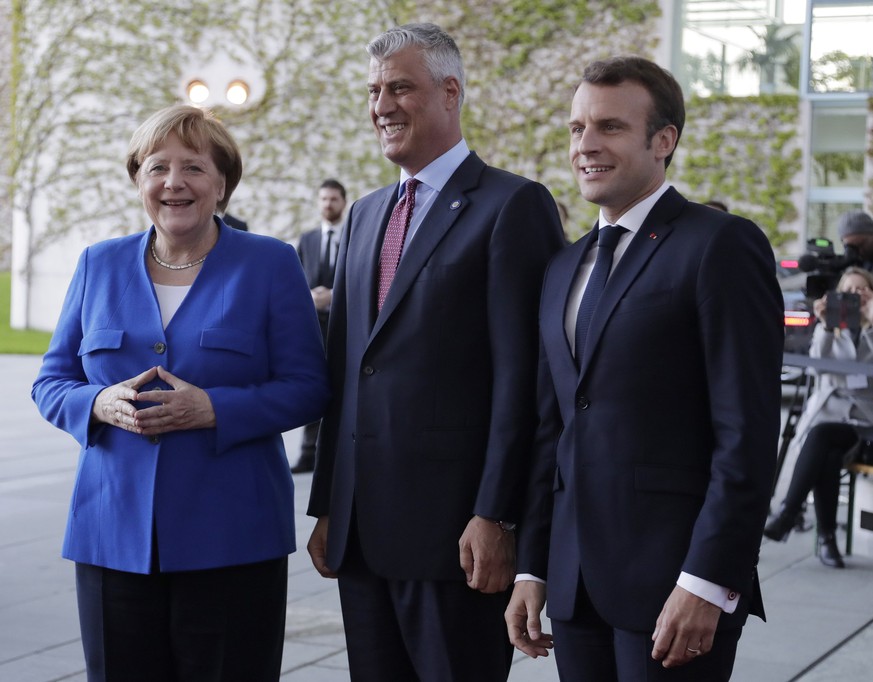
(169, 299)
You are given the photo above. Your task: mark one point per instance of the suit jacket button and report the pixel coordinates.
(369, 370)
(154, 439)
(582, 402)
(160, 348)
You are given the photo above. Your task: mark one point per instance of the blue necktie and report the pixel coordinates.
(607, 239)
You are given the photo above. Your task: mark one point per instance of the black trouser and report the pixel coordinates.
(420, 630)
(308, 440)
(818, 469)
(588, 648)
(218, 625)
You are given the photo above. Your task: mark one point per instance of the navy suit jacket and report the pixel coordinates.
(309, 251)
(434, 411)
(658, 457)
(246, 333)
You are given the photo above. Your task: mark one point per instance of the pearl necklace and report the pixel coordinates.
(170, 266)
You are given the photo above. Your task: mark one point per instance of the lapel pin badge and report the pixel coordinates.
(652, 235)
(455, 205)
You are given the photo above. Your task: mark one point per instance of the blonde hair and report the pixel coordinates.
(861, 272)
(197, 129)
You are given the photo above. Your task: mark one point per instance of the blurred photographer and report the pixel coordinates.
(856, 232)
(841, 403)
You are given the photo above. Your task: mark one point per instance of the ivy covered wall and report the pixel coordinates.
(868, 159)
(89, 72)
(746, 152)
(85, 74)
(5, 138)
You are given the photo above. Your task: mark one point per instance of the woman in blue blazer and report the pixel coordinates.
(180, 357)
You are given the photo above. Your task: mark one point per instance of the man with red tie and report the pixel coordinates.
(423, 456)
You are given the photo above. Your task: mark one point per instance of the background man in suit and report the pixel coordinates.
(659, 417)
(423, 459)
(234, 222)
(317, 250)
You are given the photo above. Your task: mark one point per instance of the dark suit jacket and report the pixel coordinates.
(235, 222)
(309, 250)
(434, 411)
(659, 456)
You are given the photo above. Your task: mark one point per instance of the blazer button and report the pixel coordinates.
(369, 370)
(582, 402)
(154, 439)
(160, 348)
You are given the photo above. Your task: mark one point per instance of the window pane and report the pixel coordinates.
(822, 220)
(741, 48)
(841, 50)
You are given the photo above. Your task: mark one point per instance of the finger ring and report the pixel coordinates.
(693, 652)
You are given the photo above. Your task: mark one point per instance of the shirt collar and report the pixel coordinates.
(437, 173)
(633, 219)
(325, 226)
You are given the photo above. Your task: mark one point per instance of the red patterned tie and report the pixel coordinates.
(395, 235)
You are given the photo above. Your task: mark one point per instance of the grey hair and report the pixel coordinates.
(441, 55)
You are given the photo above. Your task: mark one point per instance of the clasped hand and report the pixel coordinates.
(184, 407)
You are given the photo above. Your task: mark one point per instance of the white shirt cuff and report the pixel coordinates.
(528, 576)
(722, 597)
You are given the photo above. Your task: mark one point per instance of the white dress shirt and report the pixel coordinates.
(631, 221)
(433, 178)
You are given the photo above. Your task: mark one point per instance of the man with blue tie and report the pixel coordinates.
(659, 392)
(318, 250)
(432, 346)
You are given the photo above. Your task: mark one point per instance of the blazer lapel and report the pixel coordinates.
(556, 296)
(366, 231)
(443, 213)
(653, 232)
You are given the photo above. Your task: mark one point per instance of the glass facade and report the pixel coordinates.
(819, 49)
(741, 47)
(839, 78)
(841, 47)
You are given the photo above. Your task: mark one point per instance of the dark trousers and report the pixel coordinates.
(308, 440)
(588, 648)
(818, 468)
(309, 437)
(218, 625)
(414, 630)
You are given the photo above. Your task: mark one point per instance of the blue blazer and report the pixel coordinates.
(434, 404)
(658, 456)
(247, 334)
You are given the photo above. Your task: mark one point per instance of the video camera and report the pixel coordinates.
(825, 266)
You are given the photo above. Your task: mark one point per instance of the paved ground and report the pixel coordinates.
(820, 625)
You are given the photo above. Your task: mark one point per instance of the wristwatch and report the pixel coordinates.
(506, 526)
